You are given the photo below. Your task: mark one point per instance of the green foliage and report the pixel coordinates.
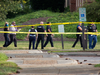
(8, 68)
(54, 18)
(8, 6)
(65, 17)
(67, 9)
(3, 57)
(93, 11)
(97, 0)
(97, 65)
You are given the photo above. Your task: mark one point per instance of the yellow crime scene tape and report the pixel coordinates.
(57, 24)
(92, 33)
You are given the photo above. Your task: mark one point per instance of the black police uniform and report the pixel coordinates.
(32, 38)
(78, 37)
(49, 38)
(6, 36)
(40, 36)
(92, 28)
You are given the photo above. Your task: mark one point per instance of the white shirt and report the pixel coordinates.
(13, 29)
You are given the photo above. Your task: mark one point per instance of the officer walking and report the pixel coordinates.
(40, 36)
(32, 37)
(49, 38)
(92, 28)
(79, 29)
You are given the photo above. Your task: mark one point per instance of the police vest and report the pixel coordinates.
(32, 30)
(92, 28)
(40, 29)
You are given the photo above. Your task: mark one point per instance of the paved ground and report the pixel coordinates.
(36, 62)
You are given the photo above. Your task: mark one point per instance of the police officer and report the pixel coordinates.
(40, 36)
(79, 29)
(92, 28)
(32, 37)
(6, 28)
(49, 38)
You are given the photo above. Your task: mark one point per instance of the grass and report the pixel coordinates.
(97, 65)
(3, 57)
(7, 68)
(23, 45)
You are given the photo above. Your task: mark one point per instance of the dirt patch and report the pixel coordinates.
(35, 21)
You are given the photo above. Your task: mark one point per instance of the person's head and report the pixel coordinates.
(6, 23)
(49, 23)
(80, 23)
(13, 23)
(32, 26)
(41, 23)
(92, 23)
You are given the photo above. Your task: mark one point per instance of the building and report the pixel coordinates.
(75, 4)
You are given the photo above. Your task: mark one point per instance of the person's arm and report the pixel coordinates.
(28, 34)
(96, 29)
(50, 32)
(79, 28)
(36, 34)
(7, 27)
(45, 32)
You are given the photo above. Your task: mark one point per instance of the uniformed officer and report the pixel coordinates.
(92, 28)
(79, 29)
(49, 38)
(32, 37)
(40, 36)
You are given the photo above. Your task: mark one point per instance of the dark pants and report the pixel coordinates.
(13, 38)
(78, 37)
(49, 38)
(40, 38)
(6, 39)
(31, 40)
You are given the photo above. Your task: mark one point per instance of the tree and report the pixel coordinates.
(8, 6)
(93, 11)
(97, 0)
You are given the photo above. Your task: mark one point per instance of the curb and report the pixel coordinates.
(78, 54)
